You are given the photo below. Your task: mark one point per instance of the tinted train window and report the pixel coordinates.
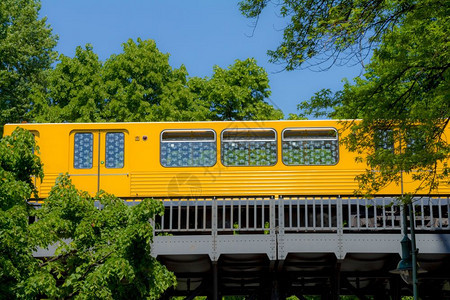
(36, 136)
(114, 151)
(249, 147)
(384, 139)
(83, 150)
(415, 139)
(188, 148)
(310, 146)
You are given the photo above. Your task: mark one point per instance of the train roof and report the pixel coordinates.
(184, 122)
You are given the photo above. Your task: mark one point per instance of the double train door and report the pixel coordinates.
(98, 161)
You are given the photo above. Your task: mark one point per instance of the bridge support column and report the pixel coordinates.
(394, 288)
(275, 293)
(335, 281)
(215, 280)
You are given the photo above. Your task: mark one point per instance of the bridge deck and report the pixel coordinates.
(271, 247)
(300, 245)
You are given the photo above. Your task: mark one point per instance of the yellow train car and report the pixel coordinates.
(193, 159)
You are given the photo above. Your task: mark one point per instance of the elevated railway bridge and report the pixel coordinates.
(258, 239)
(273, 247)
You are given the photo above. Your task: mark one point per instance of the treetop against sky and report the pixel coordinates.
(197, 34)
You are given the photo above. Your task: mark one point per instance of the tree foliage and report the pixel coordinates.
(405, 91)
(403, 97)
(103, 244)
(17, 164)
(323, 32)
(140, 85)
(237, 93)
(75, 90)
(26, 44)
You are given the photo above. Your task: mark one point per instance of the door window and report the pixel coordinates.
(114, 150)
(83, 150)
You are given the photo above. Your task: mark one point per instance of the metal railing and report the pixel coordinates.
(303, 214)
(292, 214)
(232, 215)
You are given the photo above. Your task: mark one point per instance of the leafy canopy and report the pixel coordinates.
(405, 91)
(403, 96)
(140, 85)
(237, 93)
(321, 33)
(26, 52)
(74, 91)
(17, 164)
(103, 245)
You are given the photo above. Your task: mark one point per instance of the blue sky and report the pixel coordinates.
(197, 33)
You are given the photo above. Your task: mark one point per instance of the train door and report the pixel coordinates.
(114, 162)
(84, 160)
(98, 161)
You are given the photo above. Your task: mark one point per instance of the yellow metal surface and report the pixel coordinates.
(142, 174)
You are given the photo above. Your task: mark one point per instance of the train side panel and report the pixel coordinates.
(151, 178)
(125, 160)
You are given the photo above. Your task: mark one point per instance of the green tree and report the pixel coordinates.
(17, 164)
(321, 33)
(136, 85)
(179, 103)
(142, 86)
(405, 91)
(75, 91)
(237, 93)
(103, 244)
(103, 247)
(403, 96)
(26, 44)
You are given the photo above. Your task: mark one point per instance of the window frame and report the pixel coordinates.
(275, 139)
(214, 141)
(311, 139)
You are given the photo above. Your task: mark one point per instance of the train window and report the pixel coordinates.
(83, 150)
(188, 148)
(310, 146)
(415, 139)
(249, 147)
(36, 135)
(114, 150)
(384, 139)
